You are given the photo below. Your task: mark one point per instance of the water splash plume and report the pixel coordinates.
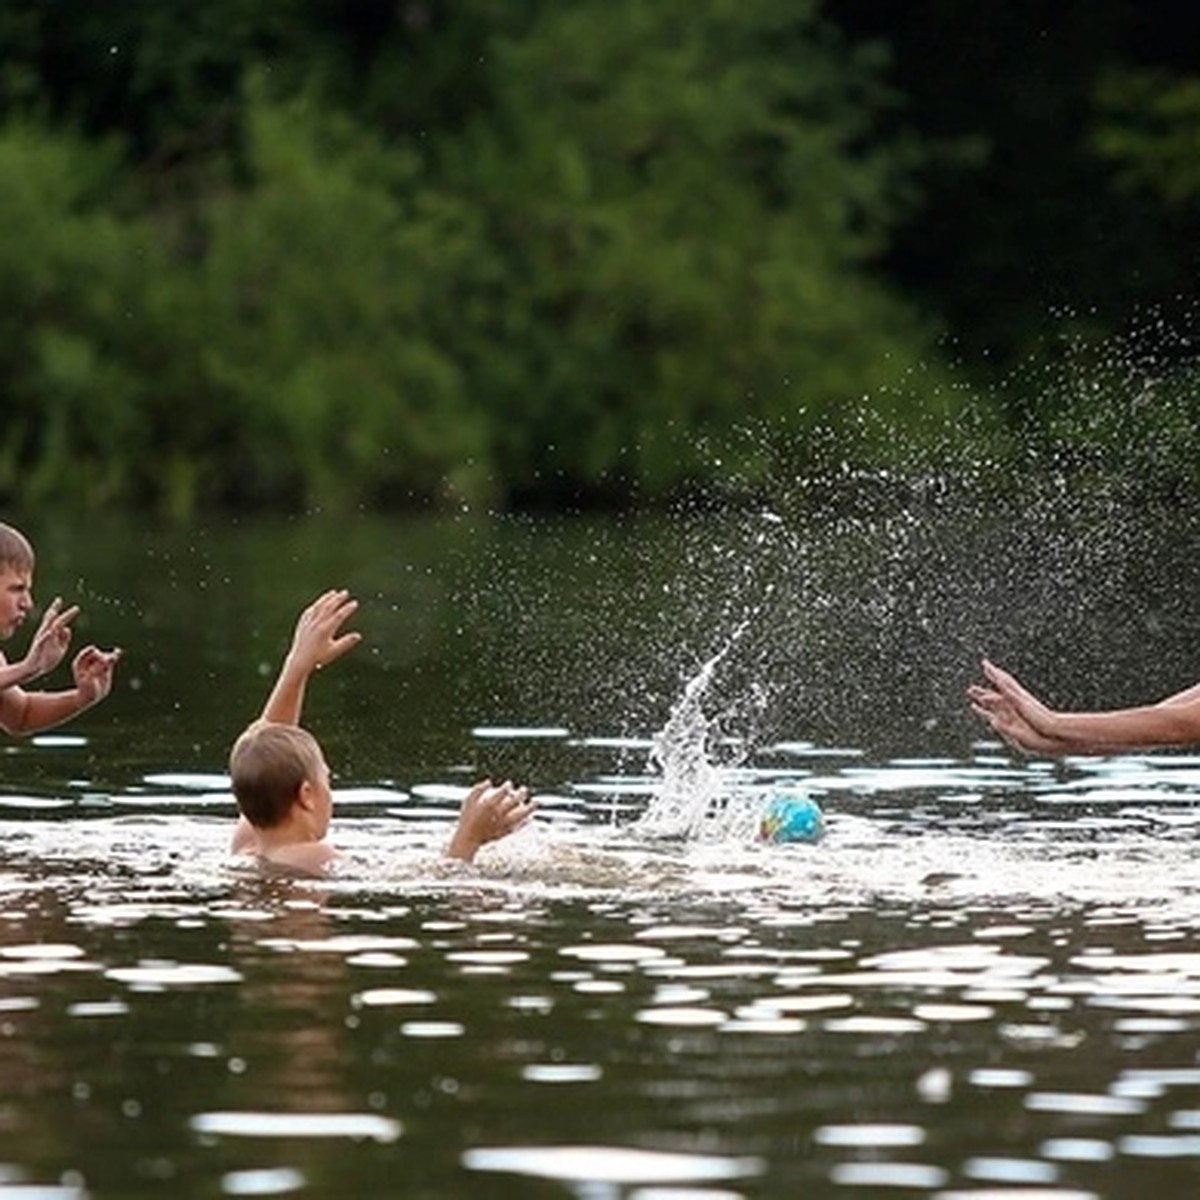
(693, 798)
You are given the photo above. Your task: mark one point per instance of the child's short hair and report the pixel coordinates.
(267, 766)
(15, 550)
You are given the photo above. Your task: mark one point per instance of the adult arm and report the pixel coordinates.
(1024, 721)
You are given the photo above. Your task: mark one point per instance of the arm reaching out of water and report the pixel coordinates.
(488, 813)
(1027, 724)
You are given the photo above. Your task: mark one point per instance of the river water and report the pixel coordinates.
(984, 982)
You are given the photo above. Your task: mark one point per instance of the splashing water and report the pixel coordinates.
(703, 793)
(696, 797)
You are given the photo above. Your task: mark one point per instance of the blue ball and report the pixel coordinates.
(789, 817)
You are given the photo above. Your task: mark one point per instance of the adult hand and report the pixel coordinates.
(1014, 712)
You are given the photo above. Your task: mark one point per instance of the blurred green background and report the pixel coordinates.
(385, 253)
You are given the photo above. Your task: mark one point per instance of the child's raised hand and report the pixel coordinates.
(317, 639)
(52, 638)
(488, 814)
(93, 672)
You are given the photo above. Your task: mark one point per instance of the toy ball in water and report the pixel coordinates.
(791, 818)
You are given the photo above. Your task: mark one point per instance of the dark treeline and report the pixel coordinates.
(391, 251)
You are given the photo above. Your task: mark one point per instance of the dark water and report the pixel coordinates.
(984, 983)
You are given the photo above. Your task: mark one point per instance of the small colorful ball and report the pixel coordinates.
(789, 817)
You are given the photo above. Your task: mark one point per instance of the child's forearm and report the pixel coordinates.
(13, 674)
(315, 641)
(286, 701)
(488, 813)
(31, 712)
(462, 846)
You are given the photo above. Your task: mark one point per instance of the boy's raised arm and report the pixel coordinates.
(317, 640)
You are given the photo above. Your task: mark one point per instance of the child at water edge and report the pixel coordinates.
(1027, 724)
(281, 781)
(25, 712)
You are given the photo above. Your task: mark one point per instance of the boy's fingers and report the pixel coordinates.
(56, 618)
(49, 614)
(67, 615)
(333, 598)
(338, 646)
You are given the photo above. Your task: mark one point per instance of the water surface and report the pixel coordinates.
(984, 982)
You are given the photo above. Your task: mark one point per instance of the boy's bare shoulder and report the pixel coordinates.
(299, 858)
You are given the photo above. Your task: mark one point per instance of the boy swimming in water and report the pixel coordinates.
(281, 781)
(21, 711)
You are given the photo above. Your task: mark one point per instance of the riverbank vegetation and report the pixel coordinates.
(317, 255)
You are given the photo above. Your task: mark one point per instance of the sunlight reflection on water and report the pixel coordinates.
(902, 1007)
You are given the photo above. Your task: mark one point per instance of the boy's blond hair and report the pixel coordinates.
(267, 766)
(15, 550)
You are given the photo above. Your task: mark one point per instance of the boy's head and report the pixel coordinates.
(273, 768)
(16, 579)
(15, 550)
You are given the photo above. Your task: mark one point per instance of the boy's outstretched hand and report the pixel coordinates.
(488, 813)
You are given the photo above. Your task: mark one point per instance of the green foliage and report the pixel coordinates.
(331, 255)
(68, 276)
(314, 286)
(276, 351)
(1149, 126)
(165, 76)
(681, 211)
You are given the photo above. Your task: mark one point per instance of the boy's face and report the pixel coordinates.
(16, 597)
